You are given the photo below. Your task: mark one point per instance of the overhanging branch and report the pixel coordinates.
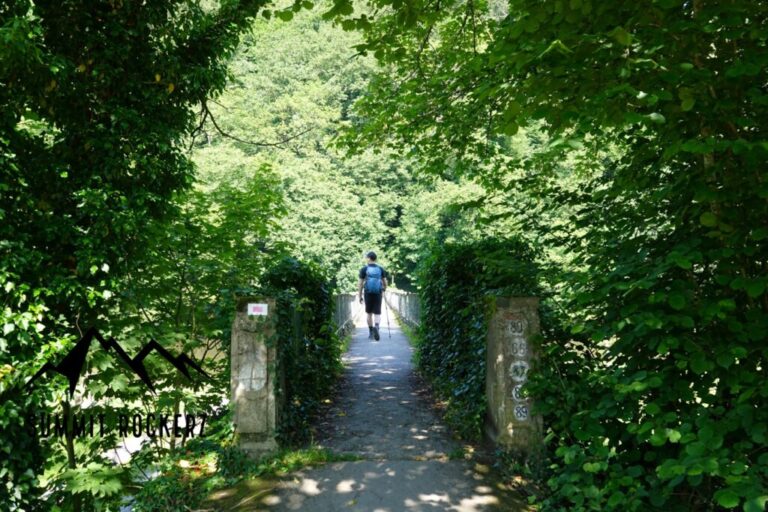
(207, 114)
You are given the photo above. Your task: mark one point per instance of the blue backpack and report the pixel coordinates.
(373, 279)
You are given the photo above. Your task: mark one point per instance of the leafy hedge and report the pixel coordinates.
(661, 406)
(308, 350)
(455, 283)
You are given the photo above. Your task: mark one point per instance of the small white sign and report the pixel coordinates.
(257, 309)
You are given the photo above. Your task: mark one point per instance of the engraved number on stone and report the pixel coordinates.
(517, 393)
(519, 348)
(521, 412)
(518, 371)
(515, 326)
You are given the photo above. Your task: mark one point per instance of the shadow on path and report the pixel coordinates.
(380, 417)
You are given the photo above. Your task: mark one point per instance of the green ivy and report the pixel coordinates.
(308, 350)
(455, 284)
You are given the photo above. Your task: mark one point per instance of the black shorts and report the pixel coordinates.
(373, 303)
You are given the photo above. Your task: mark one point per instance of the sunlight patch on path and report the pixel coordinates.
(381, 417)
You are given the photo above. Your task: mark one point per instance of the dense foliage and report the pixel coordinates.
(648, 179)
(291, 93)
(95, 104)
(455, 283)
(308, 350)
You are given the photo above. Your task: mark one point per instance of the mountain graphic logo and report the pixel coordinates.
(71, 366)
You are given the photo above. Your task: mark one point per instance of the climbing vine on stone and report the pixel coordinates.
(455, 282)
(308, 350)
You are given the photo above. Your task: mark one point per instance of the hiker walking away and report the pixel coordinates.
(373, 279)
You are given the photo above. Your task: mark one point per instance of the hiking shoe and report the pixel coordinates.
(370, 333)
(376, 333)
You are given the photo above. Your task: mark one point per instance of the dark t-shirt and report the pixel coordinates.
(362, 273)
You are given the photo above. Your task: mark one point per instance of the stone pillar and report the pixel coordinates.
(510, 355)
(254, 376)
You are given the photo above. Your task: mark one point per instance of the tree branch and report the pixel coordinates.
(208, 114)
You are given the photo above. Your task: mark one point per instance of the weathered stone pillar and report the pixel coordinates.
(254, 376)
(510, 355)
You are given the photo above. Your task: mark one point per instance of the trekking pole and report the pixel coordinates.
(386, 310)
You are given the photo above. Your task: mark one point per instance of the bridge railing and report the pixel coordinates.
(346, 311)
(406, 305)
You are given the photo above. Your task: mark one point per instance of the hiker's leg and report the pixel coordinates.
(369, 316)
(369, 305)
(370, 326)
(376, 307)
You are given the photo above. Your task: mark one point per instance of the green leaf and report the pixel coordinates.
(616, 498)
(591, 467)
(621, 36)
(510, 128)
(119, 382)
(739, 352)
(683, 262)
(676, 300)
(696, 449)
(755, 288)
(658, 438)
(657, 118)
(652, 409)
(698, 363)
(727, 498)
(725, 360)
(756, 504)
(708, 219)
